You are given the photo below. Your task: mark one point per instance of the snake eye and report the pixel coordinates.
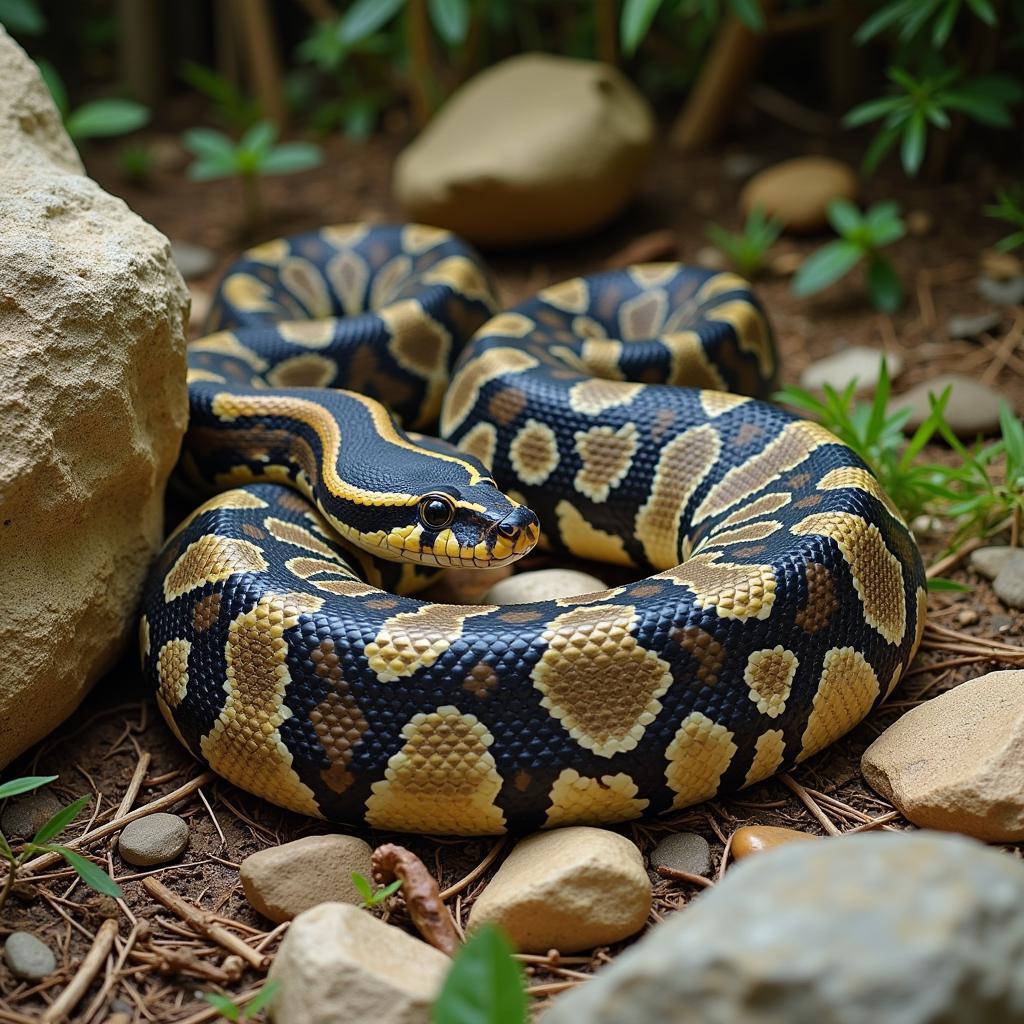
(437, 511)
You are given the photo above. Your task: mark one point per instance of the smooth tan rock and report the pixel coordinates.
(92, 409)
(956, 762)
(339, 963)
(283, 881)
(543, 585)
(534, 148)
(797, 192)
(568, 889)
(762, 838)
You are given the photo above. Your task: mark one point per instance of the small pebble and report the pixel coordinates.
(762, 838)
(1003, 266)
(858, 362)
(192, 260)
(1002, 293)
(683, 851)
(154, 839)
(972, 408)
(740, 166)
(967, 617)
(990, 561)
(973, 326)
(542, 585)
(710, 257)
(1009, 584)
(28, 957)
(785, 264)
(920, 223)
(24, 816)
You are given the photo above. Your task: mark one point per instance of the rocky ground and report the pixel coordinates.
(186, 863)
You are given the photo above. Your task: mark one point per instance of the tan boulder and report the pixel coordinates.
(535, 148)
(569, 889)
(283, 881)
(92, 409)
(340, 963)
(542, 585)
(798, 191)
(956, 762)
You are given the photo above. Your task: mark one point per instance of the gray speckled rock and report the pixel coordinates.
(990, 561)
(24, 816)
(918, 928)
(970, 326)
(542, 585)
(1002, 293)
(27, 957)
(972, 408)
(154, 839)
(1009, 584)
(683, 851)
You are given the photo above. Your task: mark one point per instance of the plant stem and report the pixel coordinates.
(253, 201)
(13, 864)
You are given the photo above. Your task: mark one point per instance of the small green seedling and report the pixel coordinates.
(254, 156)
(230, 1010)
(862, 235)
(484, 984)
(374, 897)
(135, 161)
(1009, 208)
(94, 877)
(232, 107)
(746, 249)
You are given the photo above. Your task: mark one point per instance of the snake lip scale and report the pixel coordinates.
(616, 417)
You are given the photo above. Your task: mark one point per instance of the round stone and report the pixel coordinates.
(154, 839)
(543, 585)
(1009, 584)
(973, 408)
(27, 957)
(192, 260)
(762, 838)
(857, 363)
(990, 561)
(797, 192)
(26, 815)
(683, 851)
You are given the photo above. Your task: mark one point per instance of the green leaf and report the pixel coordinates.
(873, 110)
(103, 118)
(259, 138)
(884, 286)
(18, 786)
(985, 99)
(880, 146)
(944, 23)
(844, 217)
(940, 584)
(22, 17)
(262, 999)
(224, 1005)
(635, 22)
(888, 15)
(884, 224)
(363, 887)
(912, 149)
(364, 17)
(749, 12)
(291, 157)
(61, 820)
(451, 19)
(209, 144)
(484, 984)
(825, 266)
(93, 876)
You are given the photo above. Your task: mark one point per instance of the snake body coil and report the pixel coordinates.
(786, 600)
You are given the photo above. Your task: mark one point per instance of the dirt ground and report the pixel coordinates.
(158, 963)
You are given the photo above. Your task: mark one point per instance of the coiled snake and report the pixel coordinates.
(786, 597)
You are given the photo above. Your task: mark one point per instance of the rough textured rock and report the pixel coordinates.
(683, 851)
(798, 191)
(339, 963)
(283, 881)
(761, 838)
(542, 585)
(154, 839)
(990, 561)
(857, 362)
(534, 148)
(972, 408)
(28, 957)
(24, 816)
(903, 928)
(568, 889)
(956, 762)
(92, 402)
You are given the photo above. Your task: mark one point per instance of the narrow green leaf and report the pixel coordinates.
(291, 157)
(749, 12)
(224, 1005)
(94, 877)
(635, 22)
(451, 19)
(825, 266)
(944, 23)
(883, 18)
(364, 17)
(18, 786)
(259, 138)
(262, 999)
(363, 887)
(484, 984)
(940, 584)
(880, 146)
(844, 217)
(915, 134)
(103, 118)
(873, 110)
(884, 286)
(22, 17)
(209, 144)
(60, 821)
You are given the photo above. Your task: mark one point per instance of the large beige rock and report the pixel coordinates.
(956, 762)
(568, 889)
(535, 148)
(798, 191)
(340, 963)
(92, 410)
(283, 881)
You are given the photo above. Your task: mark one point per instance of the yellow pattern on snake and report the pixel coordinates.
(783, 595)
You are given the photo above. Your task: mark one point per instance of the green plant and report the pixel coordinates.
(484, 984)
(230, 1010)
(638, 15)
(22, 17)
(374, 897)
(861, 238)
(135, 162)
(1010, 208)
(746, 249)
(96, 878)
(231, 106)
(254, 156)
(96, 119)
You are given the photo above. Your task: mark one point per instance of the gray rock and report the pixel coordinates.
(1009, 584)
(154, 839)
(27, 957)
(858, 362)
(740, 166)
(542, 585)
(917, 928)
(971, 326)
(991, 561)
(192, 260)
(26, 815)
(972, 408)
(1001, 293)
(683, 851)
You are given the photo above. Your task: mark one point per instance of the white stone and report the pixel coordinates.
(543, 585)
(858, 362)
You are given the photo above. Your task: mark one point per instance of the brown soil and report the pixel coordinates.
(158, 963)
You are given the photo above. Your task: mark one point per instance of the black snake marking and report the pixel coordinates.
(785, 595)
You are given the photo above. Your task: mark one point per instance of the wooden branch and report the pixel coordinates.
(421, 71)
(255, 24)
(79, 984)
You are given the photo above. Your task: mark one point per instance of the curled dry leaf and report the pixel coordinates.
(422, 897)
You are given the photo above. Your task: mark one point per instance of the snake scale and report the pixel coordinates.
(784, 595)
